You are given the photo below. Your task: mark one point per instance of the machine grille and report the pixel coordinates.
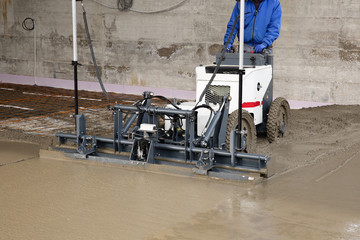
(215, 93)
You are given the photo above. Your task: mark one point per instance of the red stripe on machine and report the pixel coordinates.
(251, 104)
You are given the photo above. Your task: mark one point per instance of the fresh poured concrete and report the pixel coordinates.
(59, 198)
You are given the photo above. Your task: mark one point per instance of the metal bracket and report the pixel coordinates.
(205, 163)
(88, 146)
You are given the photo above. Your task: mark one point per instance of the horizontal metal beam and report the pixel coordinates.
(216, 152)
(222, 153)
(153, 110)
(98, 139)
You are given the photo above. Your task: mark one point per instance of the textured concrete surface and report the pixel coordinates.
(316, 56)
(41, 111)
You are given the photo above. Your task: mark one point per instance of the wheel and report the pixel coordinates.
(278, 119)
(247, 123)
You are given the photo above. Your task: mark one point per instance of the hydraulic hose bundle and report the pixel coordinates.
(219, 62)
(93, 56)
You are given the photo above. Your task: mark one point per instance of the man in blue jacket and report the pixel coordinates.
(261, 25)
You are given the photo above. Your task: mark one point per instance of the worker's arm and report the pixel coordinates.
(273, 29)
(234, 15)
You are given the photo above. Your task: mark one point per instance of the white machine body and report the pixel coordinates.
(255, 84)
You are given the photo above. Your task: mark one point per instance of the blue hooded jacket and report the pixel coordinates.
(261, 26)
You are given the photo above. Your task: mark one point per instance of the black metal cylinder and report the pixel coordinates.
(75, 64)
(152, 110)
(241, 73)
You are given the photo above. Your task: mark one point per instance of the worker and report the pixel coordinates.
(261, 25)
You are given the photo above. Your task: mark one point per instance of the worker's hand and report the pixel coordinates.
(229, 48)
(259, 48)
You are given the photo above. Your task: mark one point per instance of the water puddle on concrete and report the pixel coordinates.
(71, 199)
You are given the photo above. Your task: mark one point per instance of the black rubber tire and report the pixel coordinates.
(278, 119)
(247, 123)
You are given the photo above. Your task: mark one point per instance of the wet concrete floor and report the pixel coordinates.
(43, 198)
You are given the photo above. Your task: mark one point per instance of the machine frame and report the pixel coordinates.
(143, 141)
(147, 134)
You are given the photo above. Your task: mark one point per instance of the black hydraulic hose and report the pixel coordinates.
(93, 57)
(204, 106)
(159, 97)
(219, 62)
(211, 114)
(166, 100)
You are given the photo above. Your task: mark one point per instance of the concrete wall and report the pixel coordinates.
(317, 57)
(318, 53)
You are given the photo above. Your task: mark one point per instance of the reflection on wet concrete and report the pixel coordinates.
(71, 199)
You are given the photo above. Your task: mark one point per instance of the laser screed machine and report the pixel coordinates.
(216, 135)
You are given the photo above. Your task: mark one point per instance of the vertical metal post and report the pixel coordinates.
(241, 35)
(241, 69)
(74, 62)
(241, 73)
